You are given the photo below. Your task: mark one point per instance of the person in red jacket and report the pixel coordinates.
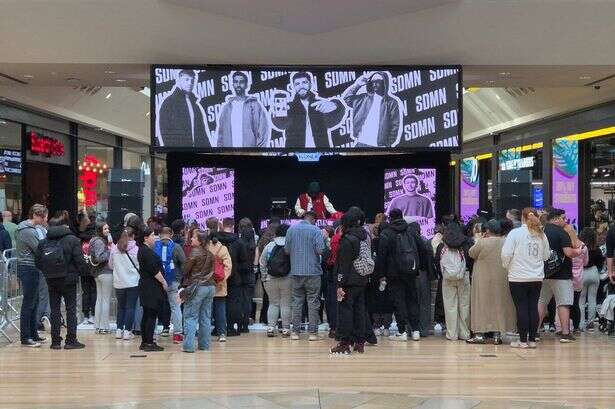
(316, 201)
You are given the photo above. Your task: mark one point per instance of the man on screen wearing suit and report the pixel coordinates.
(307, 118)
(181, 119)
(243, 122)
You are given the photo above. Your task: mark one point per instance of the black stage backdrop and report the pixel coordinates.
(347, 180)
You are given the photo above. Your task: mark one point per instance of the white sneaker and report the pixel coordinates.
(119, 334)
(294, 336)
(314, 337)
(416, 336)
(128, 335)
(46, 323)
(399, 337)
(378, 332)
(386, 332)
(437, 328)
(222, 338)
(91, 319)
(519, 344)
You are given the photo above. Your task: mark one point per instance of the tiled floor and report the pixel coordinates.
(317, 399)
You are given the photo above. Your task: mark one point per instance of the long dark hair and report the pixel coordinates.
(588, 236)
(203, 239)
(247, 234)
(146, 232)
(99, 231)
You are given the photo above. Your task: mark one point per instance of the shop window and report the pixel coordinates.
(10, 168)
(141, 159)
(95, 160)
(159, 181)
(528, 159)
(602, 187)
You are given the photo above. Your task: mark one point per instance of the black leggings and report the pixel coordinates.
(525, 296)
(148, 325)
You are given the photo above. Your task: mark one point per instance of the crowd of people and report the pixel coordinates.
(494, 277)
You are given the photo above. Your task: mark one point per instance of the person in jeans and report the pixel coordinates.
(100, 250)
(64, 286)
(278, 288)
(125, 266)
(198, 279)
(173, 258)
(591, 278)
(26, 243)
(152, 290)
(305, 244)
(523, 255)
(560, 283)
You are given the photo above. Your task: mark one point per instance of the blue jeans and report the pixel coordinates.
(198, 310)
(220, 315)
(29, 277)
(126, 304)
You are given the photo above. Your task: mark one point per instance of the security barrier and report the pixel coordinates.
(11, 294)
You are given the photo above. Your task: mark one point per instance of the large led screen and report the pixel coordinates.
(207, 192)
(305, 108)
(413, 191)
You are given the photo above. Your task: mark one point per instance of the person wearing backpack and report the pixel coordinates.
(525, 250)
(173, 258)
(454, 263)
(100, 251)
(61, 261)
(353, 267)
(275, 269)
(397, 265)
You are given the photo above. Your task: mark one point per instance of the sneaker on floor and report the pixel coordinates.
(127, 336)
(151, 347)
(40, 339)
(285, 333)
(178, 339)
(519, 344)
(46, 323)
(74, 345)
(30, 343)
(399, 337)
(532, 345)
(476, 340)
(331, 334)
(378, 332)
(294, 336)
(567, 338)
(340, 349)
(359, 347)
(314, 337)
(222, 338)
(386, 332)
(119, 334)
(165, 332)
(438, 327)
(55, 346)
(270, 332)
(85, 322)
(416, 336)
(91, 319)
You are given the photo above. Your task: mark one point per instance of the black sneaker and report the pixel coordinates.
(152, 348)
(30, 343)
(55, 346)
(567, 338)
(165, 333)
(340, 349)
(40, 339)
(74, 345)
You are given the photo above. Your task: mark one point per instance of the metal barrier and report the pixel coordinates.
(11, 293)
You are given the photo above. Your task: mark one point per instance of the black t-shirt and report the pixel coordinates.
(610, 241)
(558, 239)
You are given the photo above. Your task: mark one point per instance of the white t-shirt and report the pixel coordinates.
(524, 254)
(309, 138)
(369, 131)
(237, 123)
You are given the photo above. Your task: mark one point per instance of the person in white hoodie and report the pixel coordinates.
(125, 265)
(276, 279)
(524, 252)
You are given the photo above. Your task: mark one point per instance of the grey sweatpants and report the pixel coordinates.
(305, 288)
(279, 293)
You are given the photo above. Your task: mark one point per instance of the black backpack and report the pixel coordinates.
(406, 254)
(278, 264)
(50, 258)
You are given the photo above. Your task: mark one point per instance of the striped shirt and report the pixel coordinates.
(304, 244)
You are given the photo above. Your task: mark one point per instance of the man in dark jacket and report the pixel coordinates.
(239, 257)
(66, 286)
(351, 314)
(5, 239)
(402, 284)
(181, 120)
(307, 118)
(425, 277)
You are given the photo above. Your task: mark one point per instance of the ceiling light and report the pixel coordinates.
(109, 72)
(595, 170)
(28, 76)
(505, 73)
(490, 82)
(498, 97)
(147, 114)
(120, 80)
(108, 96)
(585, 77)
(3, 122)
(73, 79)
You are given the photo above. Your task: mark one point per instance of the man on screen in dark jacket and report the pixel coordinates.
(307, 119)
(376, 114)
(181, 119)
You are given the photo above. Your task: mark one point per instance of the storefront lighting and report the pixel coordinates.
(591, 134)
(484, 156)
(80, 167)
(87, 169)
(453, 163)
(595, 170)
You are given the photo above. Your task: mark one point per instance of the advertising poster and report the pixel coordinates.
(207, 192)
(469, 189)
(566, 178)
(413, 191)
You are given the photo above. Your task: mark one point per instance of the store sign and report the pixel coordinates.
(45, 145)
(89, 179)
(10, 162)
(518, 163)
(469, 189)
(566, 178)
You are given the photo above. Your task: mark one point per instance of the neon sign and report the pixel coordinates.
(46, 146)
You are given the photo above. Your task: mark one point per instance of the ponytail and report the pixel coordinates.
(531, 220)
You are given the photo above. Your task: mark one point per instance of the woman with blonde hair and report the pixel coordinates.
(524, 252)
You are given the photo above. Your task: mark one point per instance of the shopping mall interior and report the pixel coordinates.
(173, 110)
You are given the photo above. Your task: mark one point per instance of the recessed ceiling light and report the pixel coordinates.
(490, 82)
(109, 72)
(28, 76)
(3, 122)
(505, 73)
(120, 80)
(595, 170)
(585, 77)
(108, 96)
(147, 114)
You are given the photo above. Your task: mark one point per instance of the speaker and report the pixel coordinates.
(517, 202)
(126, 175)
(126, 188)
(509, 190)
(126, 202)
(515, 176)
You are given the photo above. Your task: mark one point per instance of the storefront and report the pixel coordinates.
(65, 165)
(566, 162)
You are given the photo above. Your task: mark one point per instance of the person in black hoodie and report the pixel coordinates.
(402, 284)
(455, 293)
(351, 313)
(64, 286)
(87, 230)
(425, 277)
(239, 257)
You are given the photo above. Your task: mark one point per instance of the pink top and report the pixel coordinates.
(577, 269)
